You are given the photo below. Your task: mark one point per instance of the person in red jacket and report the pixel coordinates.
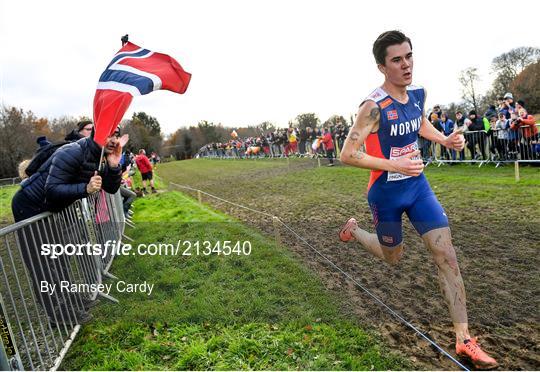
(145, 167)
(328, 145)
(526, 124)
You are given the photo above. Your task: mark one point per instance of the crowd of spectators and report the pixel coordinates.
(299, 142)
(504, 132)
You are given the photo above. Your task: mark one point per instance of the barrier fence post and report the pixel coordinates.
(319, 162)
(275, 221)
(288, 164)
(516, 170)
(199, 196)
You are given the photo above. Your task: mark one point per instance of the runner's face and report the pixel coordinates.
(398, 64)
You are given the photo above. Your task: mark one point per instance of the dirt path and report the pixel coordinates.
(500, 269)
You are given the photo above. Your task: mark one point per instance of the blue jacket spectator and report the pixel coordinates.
(446, 124)
(63, 178)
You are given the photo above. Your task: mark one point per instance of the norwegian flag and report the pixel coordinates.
(133, 71)
(392, 115)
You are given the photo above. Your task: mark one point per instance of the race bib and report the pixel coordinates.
(399, 152)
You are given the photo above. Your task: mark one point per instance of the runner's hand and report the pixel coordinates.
(408, 166)
(455, 141)
(95, 184)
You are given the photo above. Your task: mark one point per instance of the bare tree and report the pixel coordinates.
(469, 79)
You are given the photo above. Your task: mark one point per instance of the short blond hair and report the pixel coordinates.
(22, 168)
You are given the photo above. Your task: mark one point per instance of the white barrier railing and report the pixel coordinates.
(494, 146)
(38, 327)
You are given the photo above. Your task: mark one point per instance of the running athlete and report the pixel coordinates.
(388, 123)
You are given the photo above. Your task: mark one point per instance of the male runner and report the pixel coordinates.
(388, 123)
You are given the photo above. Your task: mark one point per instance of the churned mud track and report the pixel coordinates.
(499, 263)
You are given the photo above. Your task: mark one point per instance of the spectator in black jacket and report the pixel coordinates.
(303, 137)
(71, 173)
(478, 137)
(341, 135)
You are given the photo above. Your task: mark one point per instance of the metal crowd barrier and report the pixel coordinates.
(36, 327)
(495, 146)
(9, 181)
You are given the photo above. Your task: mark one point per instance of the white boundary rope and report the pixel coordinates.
(347, 275)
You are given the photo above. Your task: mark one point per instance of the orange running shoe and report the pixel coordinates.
(471, 350)
(345, 234)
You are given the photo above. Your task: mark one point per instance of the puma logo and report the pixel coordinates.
(418, 106)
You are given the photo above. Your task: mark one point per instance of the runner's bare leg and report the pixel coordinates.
(371, 243)
(439, 242)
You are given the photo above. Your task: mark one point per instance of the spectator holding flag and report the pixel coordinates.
(71, 173)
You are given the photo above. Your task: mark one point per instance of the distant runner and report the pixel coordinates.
(145, 167)
(389, 122)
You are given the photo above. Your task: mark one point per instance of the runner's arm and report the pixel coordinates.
(429, 132)
(367, 121)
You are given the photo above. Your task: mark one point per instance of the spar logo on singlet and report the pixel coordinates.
(399, 152)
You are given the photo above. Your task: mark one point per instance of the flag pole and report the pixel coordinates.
(100, 167)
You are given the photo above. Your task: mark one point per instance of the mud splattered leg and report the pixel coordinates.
(439, 242)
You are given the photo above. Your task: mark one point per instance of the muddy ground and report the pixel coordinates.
(497, 243)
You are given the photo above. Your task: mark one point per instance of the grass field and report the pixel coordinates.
(494, 221)
(260, 311)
